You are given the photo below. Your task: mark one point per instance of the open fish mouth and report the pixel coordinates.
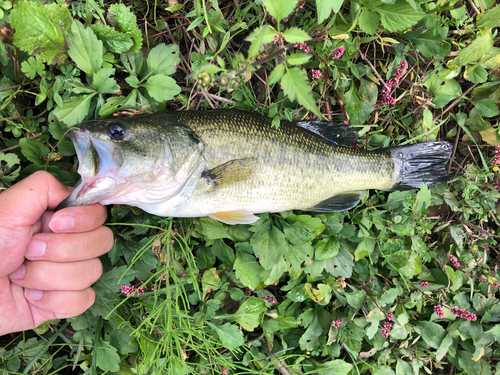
(99, 163)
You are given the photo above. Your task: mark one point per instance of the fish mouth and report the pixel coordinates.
(99, 161)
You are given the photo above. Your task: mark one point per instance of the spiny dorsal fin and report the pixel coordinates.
(332, 132)
(230, 173)
(234, 217)
(340, 202)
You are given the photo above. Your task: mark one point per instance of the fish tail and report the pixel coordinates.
(421, 162)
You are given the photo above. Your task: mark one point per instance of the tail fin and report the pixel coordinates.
(422, 162)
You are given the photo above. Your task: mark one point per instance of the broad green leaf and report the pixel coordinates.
(474, 51)
(388, 297)
(276, 74)
(115, 277)
(325, 8)
(310, 340)
(433, 44)
(432, 333)
(296, 86)
(269, 246)
(210, 281)
(32, 67)
(279, 324)
(321, 294)
(298, 58)
(295, 35)
(280, 9)
(364, 248)
(335, 367)
(116, 103)
(125, 20)
(162, 88)
(34, 150)
(250, 312)
(467, 364)
(486, 108)
(247, 270)
(352, 102)
(326, 248)
(442, 350)
(114, 40)
(102, 81)
(224, 252)
(273, 275)
(477, 75)
(40, 29)
(121, 337)
(161, 60)
(399, 16)
(107, 357)
(74, 110)
(213, 229)
(229, 334)
(85, 49)
(340, 265)
(356, 299)
(260, 36)
(490, 19)
(368, 21)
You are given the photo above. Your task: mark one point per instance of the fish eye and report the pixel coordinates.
(116, 131)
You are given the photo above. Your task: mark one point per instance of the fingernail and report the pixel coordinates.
(33, 294)
(18, 274)
(36, 249)
(62, 224)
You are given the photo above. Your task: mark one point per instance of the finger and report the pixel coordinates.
(70, 247)
(57, 276)
(58, 304)
(24, 203)
(78, 219)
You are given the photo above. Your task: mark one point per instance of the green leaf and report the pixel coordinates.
(310, 340)
(125, 20)
(432, 333)
(295, 35)
(74, 110)
(224, 252)
(477, 75)
(230, 336)
(247, 270)
(368, 21)
(161, 60)
(213, 229)
(32, 67)
(490, 19)
(280, 9)
(486, 108)
(40, 29)
(107, 357)
(162, 88)
(296, 86)
(432, 43)
(102, 81)
(443, 348)
(121, 337)
(298, 58)
(276, 74)
(250, 313)
(34, 150)
(474, 51)
(269, 246)
(325, 8)
(114, 40)
(210, 281)
(326, 248)
(356, 299)
(85, 49)
(335, 367)
(279, 324)
(341, 265)
(262, 35)
(399, 16)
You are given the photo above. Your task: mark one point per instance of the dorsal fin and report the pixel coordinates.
(331, 132)
(340, 202)
(230, 173)
(234, 217)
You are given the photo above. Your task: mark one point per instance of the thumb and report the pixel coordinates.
(24, 203)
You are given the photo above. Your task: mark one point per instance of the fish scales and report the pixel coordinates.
(230, 165)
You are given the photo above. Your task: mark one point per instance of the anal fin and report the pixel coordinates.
(234, 217)
(340, 202)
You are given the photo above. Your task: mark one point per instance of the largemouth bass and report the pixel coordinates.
(231, 165)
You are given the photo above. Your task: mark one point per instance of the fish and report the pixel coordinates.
(231, 165)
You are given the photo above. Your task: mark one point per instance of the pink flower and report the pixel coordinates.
(387, 99)
(496, 285)
(316, 73)
(338, 52)
(389, 316)
(462, 313)
(337, 323)
(454, 260)
(303, 46)
(386, 329)
(130, 290)
(438, 310)
(424, 284)
(270, 299)
(224, 372)
(277, 39)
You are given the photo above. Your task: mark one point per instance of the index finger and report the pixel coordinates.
(78, 219)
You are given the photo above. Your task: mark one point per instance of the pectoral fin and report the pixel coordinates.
(234, 217)
(341, 202)
(230, 173)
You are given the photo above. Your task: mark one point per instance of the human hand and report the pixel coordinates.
(41, 282)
